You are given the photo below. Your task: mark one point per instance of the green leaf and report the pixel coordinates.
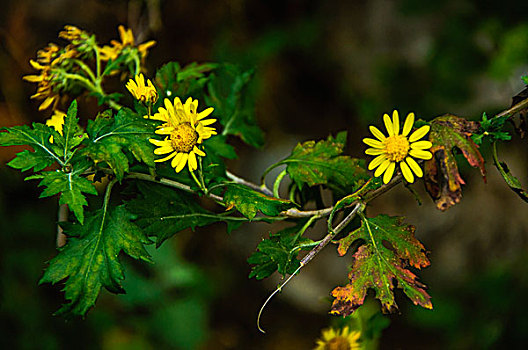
(190, 80)
(491, 129)
(249, 201)
(70, 186)
(525, 79)
(111, 140)
(442, 179)
(162, 212)
(72, 134)
(38, 138)
(278, 253)
(90, 259)
(231, 95)
(389, 247)
(321, 163)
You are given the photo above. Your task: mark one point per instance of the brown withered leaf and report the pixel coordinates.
(442, 179)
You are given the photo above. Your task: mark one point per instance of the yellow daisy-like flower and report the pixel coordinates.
(184, 128)
(338, 340)
(398, 149)
(143, 93)
(56, 122)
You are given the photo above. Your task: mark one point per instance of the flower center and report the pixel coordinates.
(396, 147)
(184, 137)
(338, 343)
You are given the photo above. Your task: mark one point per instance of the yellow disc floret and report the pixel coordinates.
(184, 137)
(397, 147)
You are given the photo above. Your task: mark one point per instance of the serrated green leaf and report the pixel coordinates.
(38, 138)
(491, 129)
(162, 212)
(72, 134)
(249, 201)
(229, 92)
(112, 139)
(188, 81)
(321, 163)
(277, 253)
(70, 186)
(90, 259)
(389, 247)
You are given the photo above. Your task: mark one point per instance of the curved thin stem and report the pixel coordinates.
(276, 184)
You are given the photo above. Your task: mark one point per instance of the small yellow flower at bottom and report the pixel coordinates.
(340, 339)
(145, 93)
(56, 122)
(398, 149)
(185, 129)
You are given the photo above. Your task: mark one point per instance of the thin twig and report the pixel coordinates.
(256, 187)
(308, 257)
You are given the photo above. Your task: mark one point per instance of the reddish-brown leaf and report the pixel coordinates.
(390, 246)
(442, 179)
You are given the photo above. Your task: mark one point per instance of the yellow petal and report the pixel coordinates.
(207, 122)
(407, 174)
(163, 150)
(198, 151)
(382, 167)
(193, 165)
(389, 172)
(374, 151)
(205, 113)
(395, 122)
(33, 78)
(418, 134)
(388, 124)
(166, 158)
(420, 154)
(414, 166)
(377, 161)
(47, 102)
(421, 145)
(177, 159)
(374, 143)
(182, 162)
(377, 133)
(159, 143)
(407, 126)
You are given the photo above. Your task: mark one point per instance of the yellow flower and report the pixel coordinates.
(71, 33)
(56, 122)
(398, 148)
(143, 93)
(185, 129)
(338, 340)
(127, 40)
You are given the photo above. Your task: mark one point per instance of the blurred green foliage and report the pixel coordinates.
(309, 84)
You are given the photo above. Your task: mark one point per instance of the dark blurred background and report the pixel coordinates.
(321, 66)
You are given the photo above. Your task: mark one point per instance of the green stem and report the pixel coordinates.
(83, 80)
(198, 182)
(276, 184)
(86, 69)
(97, 62)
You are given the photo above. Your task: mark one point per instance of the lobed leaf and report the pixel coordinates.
(321, 163)
(442, 179)
(72, 134)
(389, 246)
(249, 201)
(70, 185)
(112, 139)
(43, 155)
(89, 261)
